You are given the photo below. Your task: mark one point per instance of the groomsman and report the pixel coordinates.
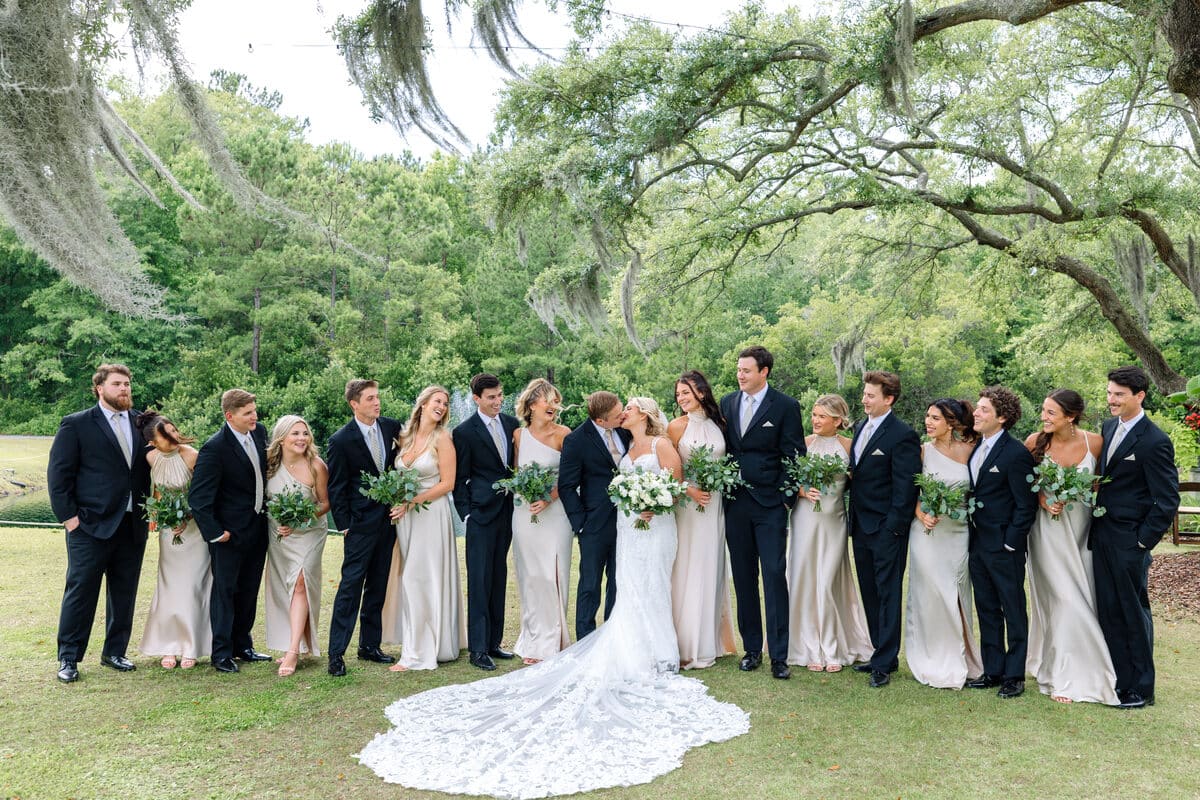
(590, 453)
(99, 478)
(365, 444)
(999, 530)
(764, 428)
(1141, 497)
(485, 455)
(228, 500)
(884, 457)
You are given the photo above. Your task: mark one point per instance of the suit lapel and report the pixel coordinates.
(1001, 443)
(106, 428)
(1129, 441)
(595, 438)
(485, 437)
(761, 411)
(877, 434)
(360, 443)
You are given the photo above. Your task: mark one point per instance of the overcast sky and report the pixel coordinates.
(285, 46)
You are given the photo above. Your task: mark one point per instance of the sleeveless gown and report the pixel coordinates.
(608, 711)
(1067, 653)
(299, 552)
(700, 600)
(939, 637)
(542, 556)
(826, 622)
(179, 624)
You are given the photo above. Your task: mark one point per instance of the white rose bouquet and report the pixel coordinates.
(638, 491)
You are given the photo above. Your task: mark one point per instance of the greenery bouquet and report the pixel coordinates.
(393, 487)
(941, 499)
(638, 491)
(529, 483)
(168, 508)
(1066, 485)
(815, 471)
(712, 474)
(291, 508)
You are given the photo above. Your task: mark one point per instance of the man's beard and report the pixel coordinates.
(116, 401)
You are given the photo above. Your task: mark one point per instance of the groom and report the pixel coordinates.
(764, 428)
(590, 453)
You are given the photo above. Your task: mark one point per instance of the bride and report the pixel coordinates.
(610, 710)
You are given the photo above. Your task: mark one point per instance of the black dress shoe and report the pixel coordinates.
(250, 654)
(1129, 699)
(861, 667)
(983, 682)
(67, 671)
(779, 669)
(750, 662)
(879, 679)
(483, 661)
(497, 652)
(374, 654)
(119, 663)
(337, 666)
(1011, 688)
(225, 665)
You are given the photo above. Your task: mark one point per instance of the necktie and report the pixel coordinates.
(499, 440)
(251, 451)
(119, 430)
(977, 462)
(1118, 435)
(376, 448)
(747, 412)
(863, 438)
(611, 441)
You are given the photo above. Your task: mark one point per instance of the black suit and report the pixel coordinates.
(488, 515)
(882, 499)
(999, 531)
(584, 472)
(1140, 499)
(370, 535)
(222, 499)
(89, 478)
(756, 517)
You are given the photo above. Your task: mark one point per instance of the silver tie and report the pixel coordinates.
(119, 430)
(1118, 436)
(611, 441)
(376, 448)
(499, 440)
(863, 438)
(747, 413)
(252, 452)
(977, 463)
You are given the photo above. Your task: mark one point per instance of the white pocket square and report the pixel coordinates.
(994, 469)
(768, 424)
(1129, 457)
(876, 452)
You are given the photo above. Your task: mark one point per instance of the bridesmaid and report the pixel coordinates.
(430, 600)
(178, 628)
(1067, 653)
(940, 646)
(541, 550)
(700, 600)
(293, 601)
(827, 626)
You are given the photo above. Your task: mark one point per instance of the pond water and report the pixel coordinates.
(29, 507)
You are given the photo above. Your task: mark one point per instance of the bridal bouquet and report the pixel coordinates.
(1066, 485)
(168, 508)
(638, 491)
(291, 508)
(530, 483)
(712, 474)
(815, 471)
(940, 499)
(394, 487)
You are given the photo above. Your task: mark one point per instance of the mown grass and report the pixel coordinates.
(23, 460)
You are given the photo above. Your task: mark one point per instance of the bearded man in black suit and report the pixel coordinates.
(98, 478)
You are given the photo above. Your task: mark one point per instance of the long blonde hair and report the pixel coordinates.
(656, 422)
(275, 447)
(409, 431)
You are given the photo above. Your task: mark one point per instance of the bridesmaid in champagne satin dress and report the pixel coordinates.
(700, 600)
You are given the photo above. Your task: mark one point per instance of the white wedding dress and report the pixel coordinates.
(610, 710)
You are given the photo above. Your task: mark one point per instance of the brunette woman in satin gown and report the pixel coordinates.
(1067, 653)
(542, 549)
(178, 627)
(700, 601)
(293, 597)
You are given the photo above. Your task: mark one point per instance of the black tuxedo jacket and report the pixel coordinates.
(882, 492)
(348, 457)
(775, 433)
(88, 476)
(478, 467)
(222, 494)
(1142, 495)
(584, 473)
(1008, 505)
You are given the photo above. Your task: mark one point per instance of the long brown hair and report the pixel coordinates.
(695, 380)
(1072, 405)
(275, 447)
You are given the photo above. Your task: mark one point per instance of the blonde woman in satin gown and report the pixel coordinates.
(178, 627)
(293, 596)
(429, 613)
(1067, 653)
(827, 628)
(541, 550)
(700, 601)
(939, 638)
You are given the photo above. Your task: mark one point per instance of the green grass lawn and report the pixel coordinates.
(23, 459)
(153, 734)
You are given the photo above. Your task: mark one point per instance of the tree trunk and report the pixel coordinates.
(332, 299)
(257, 341)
